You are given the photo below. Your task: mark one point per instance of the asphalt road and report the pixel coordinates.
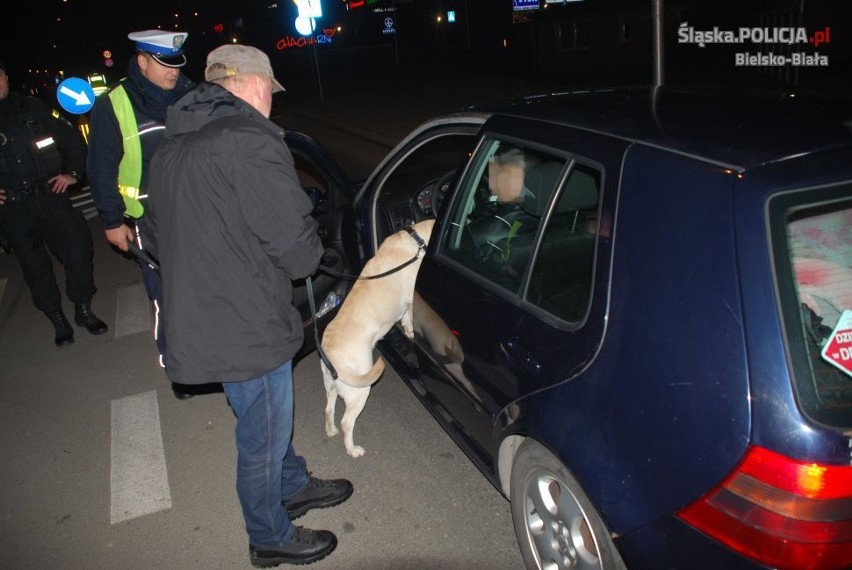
(86, 483)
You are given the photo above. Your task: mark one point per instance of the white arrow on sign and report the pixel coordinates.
(79, 98)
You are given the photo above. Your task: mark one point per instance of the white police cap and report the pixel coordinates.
(165, 47)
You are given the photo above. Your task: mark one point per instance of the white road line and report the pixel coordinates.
(139, 482)
(132, 311)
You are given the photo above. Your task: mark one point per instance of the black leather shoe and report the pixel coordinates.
(64, 332)
(318, 494)
(84, 317)
(305, 546)
(180, 395)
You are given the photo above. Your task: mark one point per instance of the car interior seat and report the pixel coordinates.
(561, 279)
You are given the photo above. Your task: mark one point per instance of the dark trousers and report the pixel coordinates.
(154, 288)
(50, 222)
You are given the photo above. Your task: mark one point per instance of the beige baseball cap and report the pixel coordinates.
(234, 59)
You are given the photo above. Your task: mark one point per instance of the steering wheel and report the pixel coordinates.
(489, 236)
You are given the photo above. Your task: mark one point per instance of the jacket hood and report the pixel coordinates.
(207, 103)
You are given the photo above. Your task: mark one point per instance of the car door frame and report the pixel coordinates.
(337, 229)
(367, 198)
(535, 356)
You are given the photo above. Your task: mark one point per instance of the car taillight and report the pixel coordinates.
(781, 512)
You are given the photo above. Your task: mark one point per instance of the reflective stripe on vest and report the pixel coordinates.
(130, 167)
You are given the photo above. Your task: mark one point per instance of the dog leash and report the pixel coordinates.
(421, 245)
(146, 258)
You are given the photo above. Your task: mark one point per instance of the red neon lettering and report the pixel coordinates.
(291, 42)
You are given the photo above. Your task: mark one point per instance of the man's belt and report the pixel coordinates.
(27, 191)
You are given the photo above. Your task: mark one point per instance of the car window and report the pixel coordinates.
(417, 185)
(313, 181)
(561, 280)
(816, 242)
(512, 191)
(500, 208)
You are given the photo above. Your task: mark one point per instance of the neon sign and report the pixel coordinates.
(289, 42)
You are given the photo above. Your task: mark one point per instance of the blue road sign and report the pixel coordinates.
(75, 95)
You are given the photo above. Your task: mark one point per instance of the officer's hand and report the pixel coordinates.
(2, 196)
(61, 182)
(120, 236)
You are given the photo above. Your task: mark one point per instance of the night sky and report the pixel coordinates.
(46, 36)
(71, 34)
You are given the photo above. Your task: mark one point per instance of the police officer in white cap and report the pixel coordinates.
(126, 126)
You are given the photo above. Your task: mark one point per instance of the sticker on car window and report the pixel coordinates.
(838, 350)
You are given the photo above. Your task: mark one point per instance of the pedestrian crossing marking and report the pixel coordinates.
(132, 311)
(139, 482)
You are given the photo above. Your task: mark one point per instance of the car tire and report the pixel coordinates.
(555, 522)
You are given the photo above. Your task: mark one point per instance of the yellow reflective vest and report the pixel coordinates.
(130, 167)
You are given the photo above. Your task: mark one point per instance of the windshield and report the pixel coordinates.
(817, 250)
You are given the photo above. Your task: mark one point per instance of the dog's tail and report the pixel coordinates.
(363, 380)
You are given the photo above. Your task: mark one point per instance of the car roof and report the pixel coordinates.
(739, 130)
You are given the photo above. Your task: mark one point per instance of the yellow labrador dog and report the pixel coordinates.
(370, 309)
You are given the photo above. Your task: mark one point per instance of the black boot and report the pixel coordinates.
(64, 332)
(303, 547)
(84, 317)
(181, 391)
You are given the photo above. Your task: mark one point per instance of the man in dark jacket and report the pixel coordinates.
(126, 126)
(233, 228)
(41, 156)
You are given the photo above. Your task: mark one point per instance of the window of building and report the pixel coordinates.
(573, 34)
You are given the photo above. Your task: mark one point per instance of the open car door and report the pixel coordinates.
(332, 194)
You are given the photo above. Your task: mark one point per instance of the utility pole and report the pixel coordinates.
(657, 17)
(467, 23)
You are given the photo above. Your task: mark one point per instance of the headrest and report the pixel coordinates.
(580, 191)
(541, 180)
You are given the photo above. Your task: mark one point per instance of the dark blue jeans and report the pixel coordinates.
(268, 469)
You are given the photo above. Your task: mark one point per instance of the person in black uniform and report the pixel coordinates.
(41, 156)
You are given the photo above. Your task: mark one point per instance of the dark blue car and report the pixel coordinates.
(635, 317)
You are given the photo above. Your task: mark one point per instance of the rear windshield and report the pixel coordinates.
(817, 256)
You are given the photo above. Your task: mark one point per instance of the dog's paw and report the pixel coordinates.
(356, 451)
(331, 431)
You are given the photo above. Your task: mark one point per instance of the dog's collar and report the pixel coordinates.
(421, 244)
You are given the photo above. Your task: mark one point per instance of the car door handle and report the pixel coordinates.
(518, 356)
